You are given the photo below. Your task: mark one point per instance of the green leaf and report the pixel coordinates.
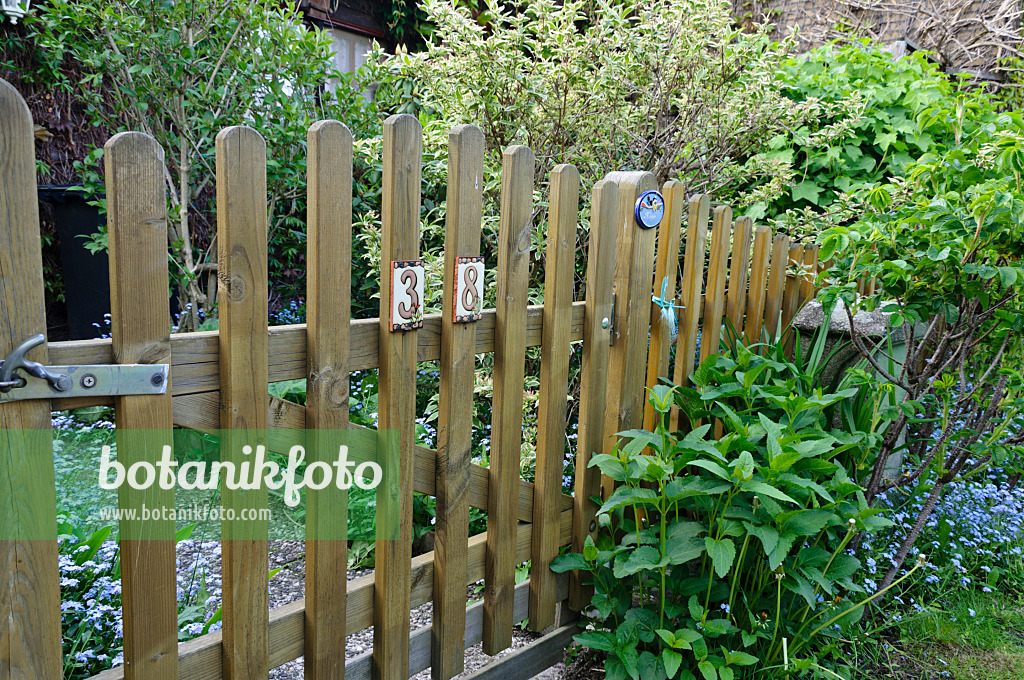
(569, 562)
(630, 661)
(598, 639)
(722, 554)
(713, 468)
(744, 466)
(768, 536)
(765, 490)
(807, 190)
(740, 658)
(644, 557)
(626, 495)
(589, 549)
(707, 670)
(672, 660)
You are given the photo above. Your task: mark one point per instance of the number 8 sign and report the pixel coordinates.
(406, 295)
(469, 289)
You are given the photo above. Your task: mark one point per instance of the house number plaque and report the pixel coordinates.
(406, 295)
(469, 289)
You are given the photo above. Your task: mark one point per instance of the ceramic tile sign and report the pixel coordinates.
(469, 289)
(406, 294)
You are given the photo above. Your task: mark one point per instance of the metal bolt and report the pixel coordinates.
(157, 379)
(88, 380)
(605, 322)
(593, 525)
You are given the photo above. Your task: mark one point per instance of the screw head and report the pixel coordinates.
(157, 379)
(593, 525)
(88, 381)
(606, 322)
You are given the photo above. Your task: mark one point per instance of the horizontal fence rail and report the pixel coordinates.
(650, 295)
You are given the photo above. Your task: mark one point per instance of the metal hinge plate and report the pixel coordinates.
(100, 380)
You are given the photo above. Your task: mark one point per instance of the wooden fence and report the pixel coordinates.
(220, 379)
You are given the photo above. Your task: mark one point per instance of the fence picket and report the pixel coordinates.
(665, 267)
(632, 284)
(506, 406)
(328, 310)
(690, 293)
(30, 637)
(791, 297)
(758, 281)
(714, 297)
(559, 266)
(242, 275)
(775, 292)
(593, 373)
(140, 329)
(455, 406)
(400, 212)
(739, 272)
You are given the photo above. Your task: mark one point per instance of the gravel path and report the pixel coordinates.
(288, 584)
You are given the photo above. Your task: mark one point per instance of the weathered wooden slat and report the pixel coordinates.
(775, 292)
(554, 386)
(194, 356)
(665, 267)
(30, 636)
(758, 282)
(714, 306)
(400, 209)
(593, 373)
(328, 308)
(201, 658)
(791, 300)
(140, 326)
(455, 405)
(527, 662)
(242, 295)
(634, 268)
(739, 272)
(690, 293)
(507, 401)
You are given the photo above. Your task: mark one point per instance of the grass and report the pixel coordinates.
(973, 636)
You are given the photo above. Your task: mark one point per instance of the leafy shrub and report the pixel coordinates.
(742, 543)
(868, 131)
(944, 245)
(181, 72)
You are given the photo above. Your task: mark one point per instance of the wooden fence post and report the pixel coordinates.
(554, 385)
(242, 277)
(593, 373)
(507, 402)
(455, 404)
(690, 293)
(665, 267)
(30, 637)
(400, 213)
(140, 330)
(328, 313)
(634, 270)
(791, 300)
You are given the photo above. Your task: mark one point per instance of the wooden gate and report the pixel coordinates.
(220, 379)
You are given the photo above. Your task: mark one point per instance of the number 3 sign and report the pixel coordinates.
(469, 289)
(406, 295)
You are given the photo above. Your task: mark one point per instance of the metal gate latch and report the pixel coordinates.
(99, 380)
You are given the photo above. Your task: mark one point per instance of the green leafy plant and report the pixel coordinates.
(720, 558)
(868, 131)
(944, 245)
(183, 71)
